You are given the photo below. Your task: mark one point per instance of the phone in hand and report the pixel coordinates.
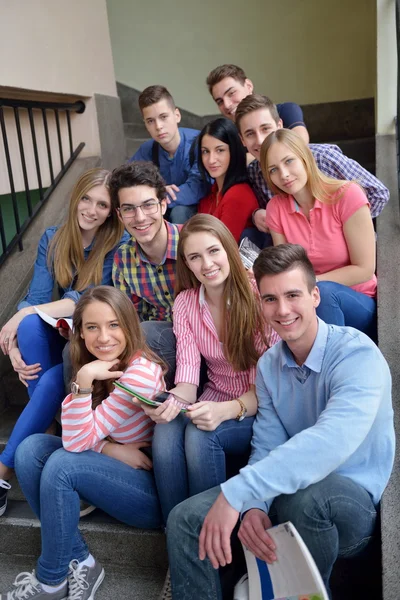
(157, 401)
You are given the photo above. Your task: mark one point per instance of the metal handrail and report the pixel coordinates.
(29, 106)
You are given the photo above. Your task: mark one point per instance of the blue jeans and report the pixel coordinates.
(335, 517)
(259, 238)
(53, 480)
(181, 213)
(161, 339)
(341, 305)
(187, 460)
(38, 342)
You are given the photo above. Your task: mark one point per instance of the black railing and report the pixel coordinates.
(44, 167)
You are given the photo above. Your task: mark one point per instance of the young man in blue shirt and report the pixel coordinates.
(322, 448)
(172, 149)
(228, 85)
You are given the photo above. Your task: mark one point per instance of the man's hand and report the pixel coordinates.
(215, 535)
(252, 534)
(171, 189)
(259, 220)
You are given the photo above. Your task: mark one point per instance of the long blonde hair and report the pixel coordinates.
(128, 321)
(320, 185)
(65, 254)
(241, 316)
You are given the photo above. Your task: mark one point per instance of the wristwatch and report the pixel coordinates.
(75, 389)
(242, 412)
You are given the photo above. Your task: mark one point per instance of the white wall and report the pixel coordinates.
(386, 93)
(308, 51)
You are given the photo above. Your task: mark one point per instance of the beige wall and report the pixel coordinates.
(386, 92)
(308, 51)
(57, 47)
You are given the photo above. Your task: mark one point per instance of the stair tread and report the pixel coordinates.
(7, 421)
(119, 582)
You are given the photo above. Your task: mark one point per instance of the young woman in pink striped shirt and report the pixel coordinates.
(216, 316)
(107, 343)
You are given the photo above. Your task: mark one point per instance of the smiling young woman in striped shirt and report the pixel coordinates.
(217, 316)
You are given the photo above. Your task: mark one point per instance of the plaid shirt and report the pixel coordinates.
(332, 162)
(149, 286)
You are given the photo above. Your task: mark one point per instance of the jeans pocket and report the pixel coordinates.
(357, 548)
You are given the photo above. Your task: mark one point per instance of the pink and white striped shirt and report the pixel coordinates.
(196, 335)
(117, 416)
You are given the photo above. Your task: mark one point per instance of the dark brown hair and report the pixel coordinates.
(242, 311)
(285, 257)
(219, 73)
(153, 94)
(252, 103)
(128, 321)
(133, 174)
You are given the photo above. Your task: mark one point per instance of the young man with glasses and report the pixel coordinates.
(144, 267)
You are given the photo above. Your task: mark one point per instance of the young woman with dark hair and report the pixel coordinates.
(71, 257)
(222, 157)
(107, 344)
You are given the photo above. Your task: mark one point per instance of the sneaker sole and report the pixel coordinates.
(87, 511)
(3, 509)
(97, 585)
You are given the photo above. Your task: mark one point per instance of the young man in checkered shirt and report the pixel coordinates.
(144, 267)
(256, 117)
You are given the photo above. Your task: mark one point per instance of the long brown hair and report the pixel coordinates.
(128, 321)
(241, 309)
(320, 185)
(65, 254)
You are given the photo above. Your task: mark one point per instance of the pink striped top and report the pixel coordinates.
(117, 416)
(196, 335)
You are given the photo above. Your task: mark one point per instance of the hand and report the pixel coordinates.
(171, 189)
(130, 454)
(64, 332)
(206, 415)
(253, 535)
(259, 220)
(215, 535)
(9, 331)
(25, 372)
(165, 413)
(98, 369)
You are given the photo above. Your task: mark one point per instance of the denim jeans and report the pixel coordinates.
(38, 342)
(53, 480)
(187, 460)
(180, 213)
(259, 238)
(161, 339)
(341, 305)
(335, 517)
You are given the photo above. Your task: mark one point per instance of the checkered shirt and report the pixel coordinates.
(149, 286)
(332, 162)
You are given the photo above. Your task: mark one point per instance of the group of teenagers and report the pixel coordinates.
(279, 401)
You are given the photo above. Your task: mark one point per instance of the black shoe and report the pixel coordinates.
(4, 487)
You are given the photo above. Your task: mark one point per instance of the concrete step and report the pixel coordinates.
(136, 130)
(133, 144)
(362, 149)
(120, 581)
(108, 539)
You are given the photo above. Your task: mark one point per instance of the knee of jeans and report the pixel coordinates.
(166, 437)
(27, 329)
(197, 441)
(182, 518)
(327, 289)
(30, 448)
(58, 467)
(294, 506)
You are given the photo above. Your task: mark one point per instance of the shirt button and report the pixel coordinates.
(160, 269)
(167, 293)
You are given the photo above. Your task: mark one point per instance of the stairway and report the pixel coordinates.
(135, 560)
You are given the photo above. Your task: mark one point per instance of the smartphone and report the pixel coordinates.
(160, 398)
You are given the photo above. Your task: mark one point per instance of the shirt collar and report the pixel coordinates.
(295, 207)
(172, 245)
(202, 296)
(316, 355)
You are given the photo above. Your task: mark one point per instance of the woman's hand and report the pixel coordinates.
(208, 415)
(25, 372)
(9, 331)
(97, 369)
(165, 413)
(130, 454)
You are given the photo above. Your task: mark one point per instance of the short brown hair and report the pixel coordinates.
(153, 94)
(133, 174)
(252, 103)
(285, 257)
(219, 73)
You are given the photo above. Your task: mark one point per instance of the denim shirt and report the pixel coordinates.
(42, 284)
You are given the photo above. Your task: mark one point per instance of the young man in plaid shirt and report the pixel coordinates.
(256, 117)
(144, 267)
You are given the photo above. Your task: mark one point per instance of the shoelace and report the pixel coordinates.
(167, 590)
(5, 484)
(77, 580)
(26, 585)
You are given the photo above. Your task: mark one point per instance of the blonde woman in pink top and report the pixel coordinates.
(107, 344)
(216, 316)
(332, 221)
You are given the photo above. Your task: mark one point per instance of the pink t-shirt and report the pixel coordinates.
(322, 236)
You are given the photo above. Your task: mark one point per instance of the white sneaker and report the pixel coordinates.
(241, 591)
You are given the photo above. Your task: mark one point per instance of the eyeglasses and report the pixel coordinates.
(148, 208)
